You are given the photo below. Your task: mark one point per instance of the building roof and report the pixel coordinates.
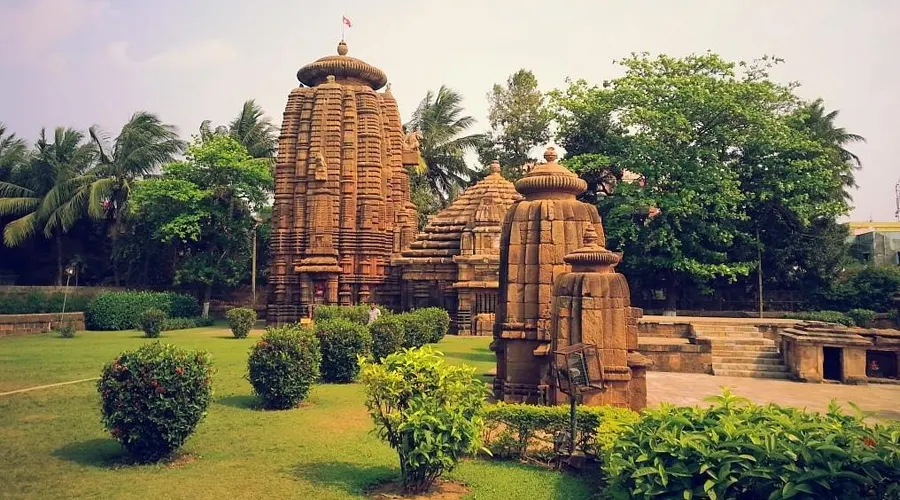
(860, 227)
(483, 204)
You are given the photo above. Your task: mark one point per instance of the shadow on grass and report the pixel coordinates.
(241, 401)
(350, 477)
(101, 452)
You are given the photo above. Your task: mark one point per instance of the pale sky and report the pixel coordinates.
(84, 62)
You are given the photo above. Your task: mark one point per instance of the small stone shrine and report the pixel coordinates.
(539, 232)
(453, 262)
(342, 209)
(592, 305)
(820, 352)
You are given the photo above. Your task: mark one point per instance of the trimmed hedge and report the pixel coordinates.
(342, 342)
(40, 302)
(154, 396)
(862, 317)
(120, 310)
(436, 320)
(356, 314)
(241, 320)
(824, 316)
(186, 323)
(524, 431)
(151, 322)
(283, 365)
(387, 336)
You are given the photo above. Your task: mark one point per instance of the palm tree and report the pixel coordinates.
(12, 152)
(254, 130)
(53, 192)
(822, 126)
(143, 145)
(443, 147)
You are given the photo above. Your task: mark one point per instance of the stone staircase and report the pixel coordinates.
(742, 351)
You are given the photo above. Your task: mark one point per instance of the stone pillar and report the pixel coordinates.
(854, 365)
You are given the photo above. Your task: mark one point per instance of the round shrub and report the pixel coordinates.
(241, 320)
(153, 398)
(342, 341)
(862, 317)
(151, 322)
(416, 331)
(387, 336)
(283, 365)
(66, 331)
(437, 321)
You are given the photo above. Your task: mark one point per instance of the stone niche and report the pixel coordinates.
(539, 232)
(822, 352)
(342, 206)
(453, 262)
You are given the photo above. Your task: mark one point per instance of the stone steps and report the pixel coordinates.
(759, 360)
(742, 351)
(752, 374)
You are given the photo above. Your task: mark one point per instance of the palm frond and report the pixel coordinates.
(17, 206)
(20, 230)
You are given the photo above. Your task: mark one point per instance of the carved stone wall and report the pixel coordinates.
(342, 208)
(453, 262)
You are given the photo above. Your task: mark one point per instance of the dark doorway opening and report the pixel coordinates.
(881, 364)
(831, 364)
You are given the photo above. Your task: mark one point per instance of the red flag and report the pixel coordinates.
(347, 22)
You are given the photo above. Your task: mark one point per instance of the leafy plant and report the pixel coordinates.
(66, 331)
(862, 317)
(35, 302)
(436, 320)
(416, 330)
(736, 449)
(241, 320)
(521, 430)
(428, 411)
(342, 342)
(120, 310)
(151, 322)
(357, 314)
(154, 396)
(283, 365)
(186, 323)
(825, 316)
(387, 336)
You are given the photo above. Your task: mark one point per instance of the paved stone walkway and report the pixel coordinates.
(690, 389)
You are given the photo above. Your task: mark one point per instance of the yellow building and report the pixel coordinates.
(875, 242)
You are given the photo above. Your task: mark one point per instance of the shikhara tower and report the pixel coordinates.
(342, 204)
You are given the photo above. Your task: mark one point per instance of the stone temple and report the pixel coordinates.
(545, 304)
(453, 262)
(342, 206)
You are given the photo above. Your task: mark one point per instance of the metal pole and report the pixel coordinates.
(573, 419)
(253, 275)
(65, 297)
(759, 271)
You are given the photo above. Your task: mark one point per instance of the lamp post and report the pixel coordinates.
(69, 272)
(256, 223)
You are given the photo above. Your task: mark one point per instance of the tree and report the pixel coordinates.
(715, 152)
(251, 128)
(12, 153)
(50, 194)
(822, 126)
(203, 207)
(520, 120)
(443, 147)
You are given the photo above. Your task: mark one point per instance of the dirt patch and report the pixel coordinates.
(181, 460)
(441, 490)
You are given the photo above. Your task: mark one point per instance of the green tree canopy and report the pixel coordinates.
(717, 152)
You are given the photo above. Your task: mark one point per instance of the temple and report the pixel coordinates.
(543, 304)
(342, 206)
(453, 262)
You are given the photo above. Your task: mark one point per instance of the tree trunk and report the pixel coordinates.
(59, 260)
(207, 292)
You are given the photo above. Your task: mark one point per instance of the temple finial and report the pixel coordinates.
(495, 167)
(550, 155)
(590, 236)
(342, 48)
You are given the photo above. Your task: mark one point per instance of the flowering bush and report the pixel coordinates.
(241, 320)
(283, 365)
(153, 398)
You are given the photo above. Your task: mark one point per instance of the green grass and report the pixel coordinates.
(52, 444)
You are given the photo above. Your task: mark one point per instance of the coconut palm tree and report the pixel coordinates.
(255, 131)
(12, 152)
(822, 126)
(443, 146)
(52, 191)
(143, 145)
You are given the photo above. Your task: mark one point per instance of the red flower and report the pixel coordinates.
(179, 370)
(116, 432)
(160, 389)
(869, 442)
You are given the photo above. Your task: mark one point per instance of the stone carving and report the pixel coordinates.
(538, 233)
(412, 140)
(591, 304)
(342, 208)
(453, 263)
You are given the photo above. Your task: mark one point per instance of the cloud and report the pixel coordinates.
(32, 29)
(197, 54)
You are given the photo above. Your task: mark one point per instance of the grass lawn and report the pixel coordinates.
(52, 444)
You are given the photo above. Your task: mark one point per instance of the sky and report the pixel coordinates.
(83, 62)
